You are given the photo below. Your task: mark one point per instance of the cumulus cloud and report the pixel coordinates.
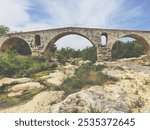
(14, 12)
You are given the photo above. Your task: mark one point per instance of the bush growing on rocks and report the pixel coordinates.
(85, 75)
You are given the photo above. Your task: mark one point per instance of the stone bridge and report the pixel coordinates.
(40, 42)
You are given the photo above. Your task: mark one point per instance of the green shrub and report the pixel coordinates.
(89, 53)
(87, 68)
(14, 65)
(64, 54)
(127, 50)
(72, 85)
(86, 75)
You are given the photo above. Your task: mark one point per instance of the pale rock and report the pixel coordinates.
(88, 101)
(13, 94)
(40, 103)
(84, 62)
(1, 85)
(25, 86)
(9, 81)
(57, 78)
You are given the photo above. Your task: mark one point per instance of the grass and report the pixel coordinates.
(14, 65)
(42, 73)
(6, 101)
(86, 75)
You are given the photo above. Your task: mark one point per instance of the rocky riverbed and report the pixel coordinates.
(130, 93)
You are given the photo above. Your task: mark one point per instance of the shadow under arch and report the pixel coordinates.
(141, 40)
(59, 36)
(22, 45)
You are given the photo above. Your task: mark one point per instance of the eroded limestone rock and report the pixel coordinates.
(40, 103)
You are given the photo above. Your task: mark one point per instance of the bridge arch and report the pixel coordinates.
(8, 43)
(59, 36)
(138, 38)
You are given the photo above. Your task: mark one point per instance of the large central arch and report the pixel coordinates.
(59, 36)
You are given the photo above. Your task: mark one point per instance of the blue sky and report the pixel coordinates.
(26, 15)
(22, 15)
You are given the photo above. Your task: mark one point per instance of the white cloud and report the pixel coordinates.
(14, 12)
(91, 13)
(87, 13)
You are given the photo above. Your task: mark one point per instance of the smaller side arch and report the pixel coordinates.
(137, 37)
(24, 46)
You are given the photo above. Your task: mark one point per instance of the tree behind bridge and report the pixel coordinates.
(3, 29)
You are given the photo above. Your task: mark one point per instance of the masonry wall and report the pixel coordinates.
(49, 37)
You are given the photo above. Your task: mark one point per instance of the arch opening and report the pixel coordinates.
(71, 43)
(37, 40)
(129, 46)
(104, 39)
(17, 45)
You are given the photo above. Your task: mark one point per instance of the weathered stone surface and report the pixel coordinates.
(60, 75)
(9, 81)
(40, 103)
(84, 62)
(133, 87)
(26, 86)
(1, 85)
(94, 35)
(131, 93)
(13, 94)
(18, 89)
(89, 101)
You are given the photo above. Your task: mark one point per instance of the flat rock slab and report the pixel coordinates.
(40, 103)
(9, 81)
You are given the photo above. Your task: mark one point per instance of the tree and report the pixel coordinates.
(3, 29)
(21, 47)
(89, 53)
(127, 50)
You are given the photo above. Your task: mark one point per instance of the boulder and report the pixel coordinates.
(9, 81)
(1, 85)
(40, 103)
(87, 101)
(25, 86)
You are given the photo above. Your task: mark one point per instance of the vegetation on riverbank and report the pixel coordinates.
(14, 65)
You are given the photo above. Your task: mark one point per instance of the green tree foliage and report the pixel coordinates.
(14, 65)
(3, 29)
(127, 50)
(21, 47)
(53, 49)
(89, 53)
(69, 53)
(66, 53)
(85, 76)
